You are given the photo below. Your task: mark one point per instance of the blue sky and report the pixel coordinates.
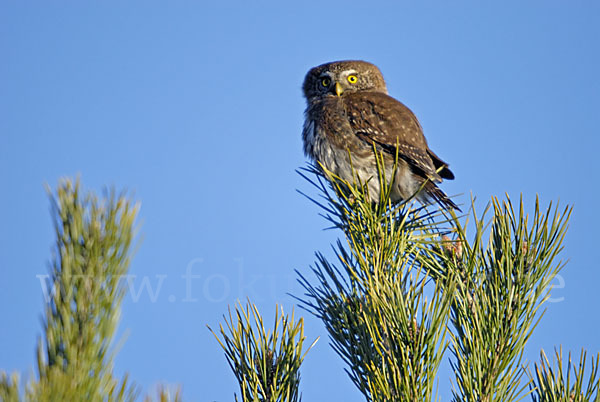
(196, 108)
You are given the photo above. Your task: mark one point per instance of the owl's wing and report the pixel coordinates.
(379, 119)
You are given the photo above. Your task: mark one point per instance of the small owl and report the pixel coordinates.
(349, 110)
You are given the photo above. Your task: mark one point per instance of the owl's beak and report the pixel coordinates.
(338, 89)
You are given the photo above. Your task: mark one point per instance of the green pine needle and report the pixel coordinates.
(265, 363)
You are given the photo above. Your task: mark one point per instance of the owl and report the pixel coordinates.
(348, 113)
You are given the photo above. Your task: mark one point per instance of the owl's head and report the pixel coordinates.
(339, 77)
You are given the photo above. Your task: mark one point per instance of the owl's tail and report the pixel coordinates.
(440, 197)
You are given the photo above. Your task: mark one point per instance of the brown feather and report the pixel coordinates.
(346, 118)
(378, 118)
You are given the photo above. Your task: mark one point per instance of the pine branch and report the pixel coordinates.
(385, 320)
(504, 282)
(166, 395)
(93, 242)
(554, 383)
(265, 363)
(9, 387)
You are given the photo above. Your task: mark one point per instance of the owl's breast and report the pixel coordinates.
(318, 144)
(327, 126)
(322, 148)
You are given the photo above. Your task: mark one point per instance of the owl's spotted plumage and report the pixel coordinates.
(349, 110)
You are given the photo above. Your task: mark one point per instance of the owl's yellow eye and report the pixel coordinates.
(352, 79)
(325, 82)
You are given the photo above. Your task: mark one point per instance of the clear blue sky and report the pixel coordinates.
(196, 108)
